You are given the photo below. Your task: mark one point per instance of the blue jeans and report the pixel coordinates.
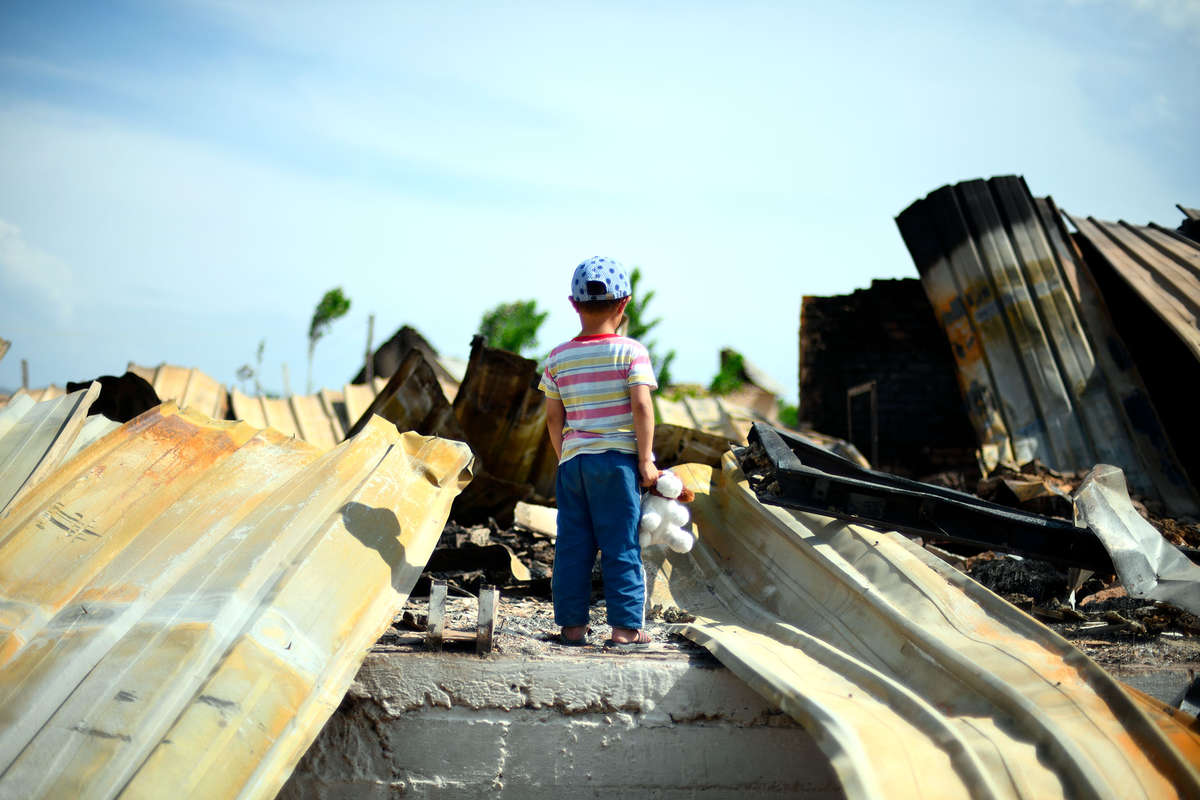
(598, 509)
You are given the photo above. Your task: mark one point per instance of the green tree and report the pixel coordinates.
(512, 326)
(332, 306)
(640, 325)
(729, 377)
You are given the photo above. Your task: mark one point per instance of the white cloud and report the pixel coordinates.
(28, 266)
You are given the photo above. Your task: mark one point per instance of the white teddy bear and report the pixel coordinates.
(663, 514)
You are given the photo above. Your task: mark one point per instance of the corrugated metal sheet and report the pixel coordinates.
(308, 417)
(4, 345)
(357, 398)
(503, 416)
(913, 679)
(185, 602)
(1028, 370)
(701, 429)
(38, 395)
(36, 437)
(413, 400)
(187, 387)
(1160, 265)
(1118, 366)
(1190, 213)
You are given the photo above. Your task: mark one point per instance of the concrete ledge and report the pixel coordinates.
(669, 725)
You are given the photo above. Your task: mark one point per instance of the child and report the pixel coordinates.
(601, 423)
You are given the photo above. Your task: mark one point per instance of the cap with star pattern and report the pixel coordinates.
(598, 272)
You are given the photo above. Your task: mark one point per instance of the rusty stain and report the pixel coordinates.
(188, 555)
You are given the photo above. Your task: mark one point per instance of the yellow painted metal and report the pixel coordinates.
(914, 680)
(38, 395)
(359, 396)
(312, 418)
(187, 387)
(186, 601)
(36, 437)
(315, 422)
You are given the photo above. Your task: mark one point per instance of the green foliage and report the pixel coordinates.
(729, 377)
(640, 325)
(512, 326)
(332, 306)
(789, 415)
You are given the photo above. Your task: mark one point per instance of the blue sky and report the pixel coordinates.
(179, 181)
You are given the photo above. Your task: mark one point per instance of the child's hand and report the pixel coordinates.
(649, 472)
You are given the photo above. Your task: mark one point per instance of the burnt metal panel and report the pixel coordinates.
(186, 601)
(810, 479)
(413, 400)
(914, 681)
(985, 245)
(948, 261)
(1162, 279)
(1164, 475)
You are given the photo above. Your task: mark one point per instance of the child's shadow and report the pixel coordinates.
(380, 530)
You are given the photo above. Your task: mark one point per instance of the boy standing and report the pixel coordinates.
(601, 423)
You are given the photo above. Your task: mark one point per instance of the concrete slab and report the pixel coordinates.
(670, 723)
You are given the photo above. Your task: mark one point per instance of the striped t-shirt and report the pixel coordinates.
(592, 376)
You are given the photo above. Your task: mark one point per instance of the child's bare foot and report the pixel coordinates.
(574, 633)
(630, 636)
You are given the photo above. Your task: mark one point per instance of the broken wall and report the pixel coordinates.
(886, 334)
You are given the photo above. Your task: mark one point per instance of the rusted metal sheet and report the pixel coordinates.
(1006, 288)
(966, 226)
(187, 387)
(413, 400)
(388, 357)
(186, 602)
(915, 681)
(501, 411)
(1164, 269)
(1190, 213)
(503, 416)
(1164, 475)
(36, 437)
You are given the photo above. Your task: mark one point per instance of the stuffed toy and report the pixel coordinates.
(663, 514)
